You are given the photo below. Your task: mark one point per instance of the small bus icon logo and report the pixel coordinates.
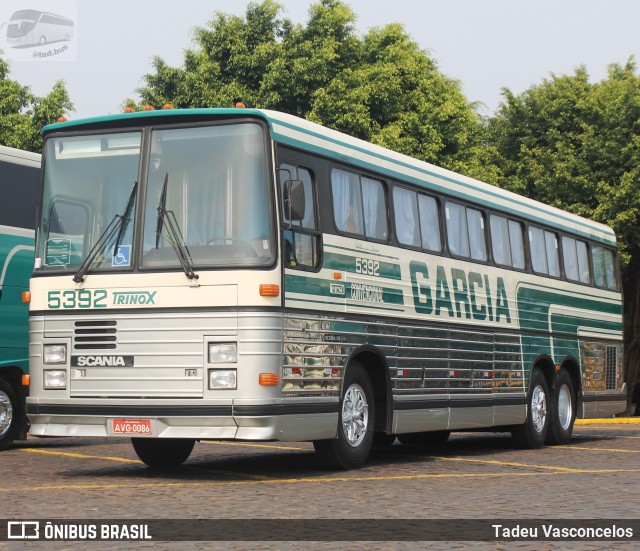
(27, 28)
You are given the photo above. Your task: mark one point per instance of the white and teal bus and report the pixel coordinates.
(20, 188)
(239, 274)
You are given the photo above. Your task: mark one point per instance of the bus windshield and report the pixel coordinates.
(206, 197)
(88, 182)
(21, 23)
(214, 181)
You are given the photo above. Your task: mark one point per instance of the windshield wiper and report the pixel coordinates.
(118, 222)
(126, 217)
(175, 237)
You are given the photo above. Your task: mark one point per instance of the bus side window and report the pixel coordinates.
(359, 205)
(300, 237)
(417, 219)
(576, 259)
(604, 267)
(507, 242)
(544, 252)
(429, 223)
(405, 209)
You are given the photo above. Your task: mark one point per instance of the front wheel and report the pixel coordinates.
(563, 410)
(350, 448)
(9, 414)
(160, 453)
(531, 435)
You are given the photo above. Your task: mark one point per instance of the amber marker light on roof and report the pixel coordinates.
(167, 106)
(269, 290)
(148, 108)
(63, 119)
(269, 379)
(129, 110)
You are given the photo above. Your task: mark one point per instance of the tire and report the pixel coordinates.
(431, 439)
(532, 434)
(10, 414)
(160, 453)
(563, 410)
(351, 447)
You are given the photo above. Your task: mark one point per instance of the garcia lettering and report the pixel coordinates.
(458, 294)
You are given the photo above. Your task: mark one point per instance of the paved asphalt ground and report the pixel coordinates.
(474, 476)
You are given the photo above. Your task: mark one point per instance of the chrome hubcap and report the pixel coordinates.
(355, 415)
(565, 407)
(538, 408)
(6, 413)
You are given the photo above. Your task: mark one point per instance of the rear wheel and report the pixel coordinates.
(563, 410)
(10, 413)
(350, 448)
(163, 452)
(431, 439)
(532, 433)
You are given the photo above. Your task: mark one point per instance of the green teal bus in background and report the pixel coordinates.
(20, 187)
(239, 274)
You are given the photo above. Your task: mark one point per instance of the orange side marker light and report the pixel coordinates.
(269, 290)
(269, 379)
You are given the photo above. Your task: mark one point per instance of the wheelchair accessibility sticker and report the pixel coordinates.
(122, 257)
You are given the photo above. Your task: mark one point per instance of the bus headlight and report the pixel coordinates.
(55, 379)
(55, 354)
(222, 379)
(223, 352)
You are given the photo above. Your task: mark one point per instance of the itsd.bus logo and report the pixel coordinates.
(35, 35)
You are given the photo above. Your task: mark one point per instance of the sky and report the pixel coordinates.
(487, 45)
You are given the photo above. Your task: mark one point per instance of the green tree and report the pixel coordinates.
(576, 145)
(22, 115)
(380, 87)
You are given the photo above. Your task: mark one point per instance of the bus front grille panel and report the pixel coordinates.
(95, 335)
(423, 359)
(144, 355)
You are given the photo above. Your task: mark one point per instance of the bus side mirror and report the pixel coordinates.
(294, 200)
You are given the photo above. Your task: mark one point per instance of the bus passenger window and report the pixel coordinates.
(347, 202)
(359, 205)
(604, 267)
(516, 239)
(429, 223)
(544, 252)
(477, 242)
(507, 242)
(551, 245)
(583, 262)
(375, 209)
(405, 209)
(576, 261)
(457, 230)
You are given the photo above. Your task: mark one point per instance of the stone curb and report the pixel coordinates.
(610, 421)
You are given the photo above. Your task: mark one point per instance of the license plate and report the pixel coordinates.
(132, 426)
